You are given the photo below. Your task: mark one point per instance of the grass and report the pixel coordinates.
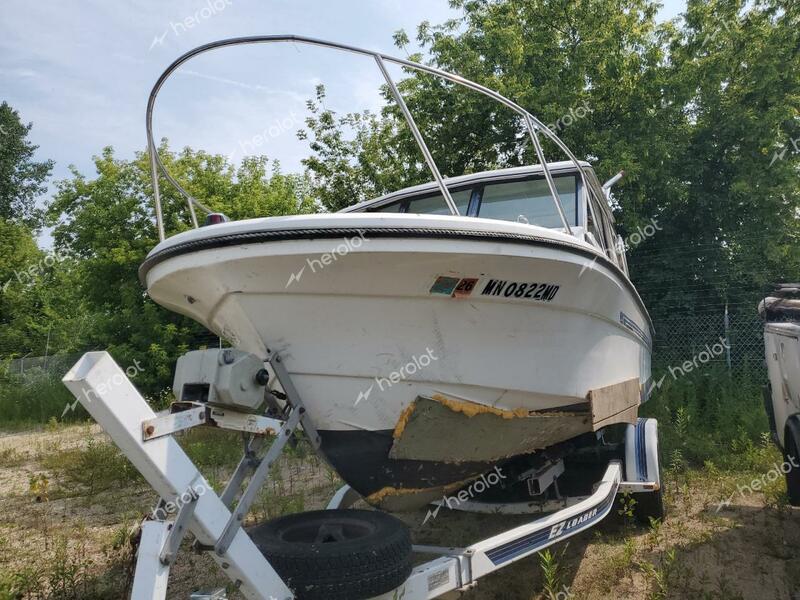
(66, 571)
(76, 472)
(709, 416)
(35, 399)
(90, 469)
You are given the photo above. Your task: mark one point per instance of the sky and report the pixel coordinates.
(81, 71)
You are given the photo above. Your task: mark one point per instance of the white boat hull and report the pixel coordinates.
(371, 322)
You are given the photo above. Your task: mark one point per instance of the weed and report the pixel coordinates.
(626, 510)
(39, 487)
(33, 399)
(11, 457)
(64, 572)
(91, 469)
(708, 415)
(552, 572)
(659, 575)
(655, 536)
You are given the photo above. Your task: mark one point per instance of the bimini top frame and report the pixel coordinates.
(533, 125)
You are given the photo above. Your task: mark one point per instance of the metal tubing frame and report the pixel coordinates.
(259, 477)
(418, 136)
(531, 122)
(176, 534)
(547, 175)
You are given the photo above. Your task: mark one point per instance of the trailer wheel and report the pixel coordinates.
(337, 554)
(791, 455)
(649, 505)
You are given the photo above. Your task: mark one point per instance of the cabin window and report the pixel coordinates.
(435, 205)
(530, 202)
(394, 207)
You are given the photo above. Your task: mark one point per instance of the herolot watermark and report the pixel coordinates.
(416, 364)
(164, 509)
(700, 358)
(317, 264)
(726, 26)
(782, 154)
(641, 234)
(212, 7)
(476, 487)
(35, 270)
(105, 386)
(631, 241)
(275, 129)
(574, 114)
(775, 473)
(563, 594)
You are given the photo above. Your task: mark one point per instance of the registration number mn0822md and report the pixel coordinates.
(543, 292)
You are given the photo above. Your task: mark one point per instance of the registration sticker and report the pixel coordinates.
(465, 287)
(444, 285)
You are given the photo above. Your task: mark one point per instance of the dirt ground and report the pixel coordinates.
(70, 502)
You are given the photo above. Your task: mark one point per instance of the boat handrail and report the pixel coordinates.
(532, 124)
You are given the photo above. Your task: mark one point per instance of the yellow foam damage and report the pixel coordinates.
(470, 409)
(381, 494)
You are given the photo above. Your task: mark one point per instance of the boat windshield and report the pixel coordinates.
(524, 201)
(530, 202)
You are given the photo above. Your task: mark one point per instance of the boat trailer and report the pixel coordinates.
(146, 439)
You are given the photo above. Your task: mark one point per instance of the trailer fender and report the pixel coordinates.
(641, 451)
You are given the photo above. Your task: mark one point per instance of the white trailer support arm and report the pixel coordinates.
(108, 395)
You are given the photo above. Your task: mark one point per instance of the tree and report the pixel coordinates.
(21, 178)
(733, 226)
(695, 111)
(107, 225)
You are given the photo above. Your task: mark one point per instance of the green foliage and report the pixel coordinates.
(735, 75)
(90, 469)
(212, 449)
(67, 572)
(627, 502)
(21, 178)
(347, 171)
(659, 574)
(106, 223)
(710, 416)
(35, 399)
(552, 573)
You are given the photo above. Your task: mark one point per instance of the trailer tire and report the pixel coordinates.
(649, 505)
(337, 554)
(791, 455)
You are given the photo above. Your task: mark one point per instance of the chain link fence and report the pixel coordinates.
(731, 341)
